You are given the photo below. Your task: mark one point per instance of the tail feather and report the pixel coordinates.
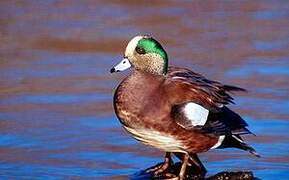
(248, 148)
(237, 142)
(242, 131)
(233, 88)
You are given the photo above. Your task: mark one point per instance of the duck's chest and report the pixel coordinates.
(136, 99)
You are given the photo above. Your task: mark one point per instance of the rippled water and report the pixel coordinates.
(56, 116)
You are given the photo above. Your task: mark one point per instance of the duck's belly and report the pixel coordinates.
(145, 128)
(157, 139)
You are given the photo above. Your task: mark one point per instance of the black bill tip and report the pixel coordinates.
(112, 70)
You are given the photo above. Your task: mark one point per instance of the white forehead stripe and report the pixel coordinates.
(132, 45)
(197, 114)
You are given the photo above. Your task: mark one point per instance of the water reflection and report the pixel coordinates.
(56, 116)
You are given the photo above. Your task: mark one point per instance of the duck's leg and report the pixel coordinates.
(184, 167)
(194, 162)
(195, 159)
(163, 166)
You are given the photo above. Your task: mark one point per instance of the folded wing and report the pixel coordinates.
(200, 104)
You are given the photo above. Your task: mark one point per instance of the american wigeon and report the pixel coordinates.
(174, 109)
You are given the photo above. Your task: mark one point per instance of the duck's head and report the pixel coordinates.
(144, 54)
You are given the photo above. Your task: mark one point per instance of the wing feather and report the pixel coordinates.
(216, 93)
(189, 87)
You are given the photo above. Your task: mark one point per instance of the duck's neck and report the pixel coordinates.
(152, 64)
(153, 70)
(142, 75)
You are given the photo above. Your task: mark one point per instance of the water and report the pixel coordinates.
(56, 115)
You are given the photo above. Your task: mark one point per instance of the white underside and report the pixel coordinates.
(197, 114)
(156, 139)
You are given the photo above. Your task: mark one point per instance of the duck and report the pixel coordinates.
(174, 109)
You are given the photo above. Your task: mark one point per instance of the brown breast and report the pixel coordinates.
(135, 96)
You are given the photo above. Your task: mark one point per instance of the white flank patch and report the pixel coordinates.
(197, 114)
(156, 139)
(220, 141)
(132, 45)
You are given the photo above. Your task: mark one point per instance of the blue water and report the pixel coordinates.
(56, 114)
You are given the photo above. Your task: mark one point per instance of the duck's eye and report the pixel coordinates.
(140, 50)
